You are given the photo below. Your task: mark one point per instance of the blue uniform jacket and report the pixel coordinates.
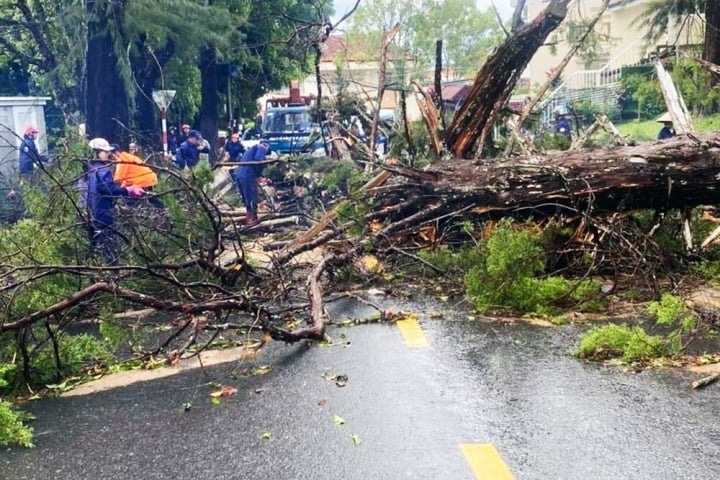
(187, 155)
(101, 193)
(234, 149)
(665, 133)
(29, 156)
(256, 153)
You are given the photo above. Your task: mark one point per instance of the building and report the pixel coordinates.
(357, 68)
(621, 42)
(16, 114)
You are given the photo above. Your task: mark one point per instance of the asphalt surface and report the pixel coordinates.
(549, 416)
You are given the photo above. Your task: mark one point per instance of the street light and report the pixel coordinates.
(162, 99)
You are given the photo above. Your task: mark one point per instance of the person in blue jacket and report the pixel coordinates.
(29, 155)
(667, 130)
(188, 153)
(246, 177)
(233, 148)
(100, 200)
(562, 126)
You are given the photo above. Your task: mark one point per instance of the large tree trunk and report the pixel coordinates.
(473, 123)
(681, 172)
(209, 92)
(106, 99)
(711, 48)
(148, 73)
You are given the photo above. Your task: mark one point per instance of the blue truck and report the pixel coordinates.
(289, 126)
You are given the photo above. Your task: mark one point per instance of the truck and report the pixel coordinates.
(289, 126)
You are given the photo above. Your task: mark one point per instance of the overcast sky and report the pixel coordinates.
(503, 6)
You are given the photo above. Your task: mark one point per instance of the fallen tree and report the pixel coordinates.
(677, 173)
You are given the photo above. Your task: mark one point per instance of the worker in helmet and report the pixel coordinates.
(101, 192)
(29, 155)
(183, 135)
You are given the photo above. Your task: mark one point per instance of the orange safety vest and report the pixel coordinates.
(131, 171)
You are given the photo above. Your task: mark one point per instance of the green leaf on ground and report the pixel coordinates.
(356, 439)
(338, 420)
(266, 436)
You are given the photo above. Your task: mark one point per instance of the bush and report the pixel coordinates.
(620, 341)
(12, 428)
(75, 352)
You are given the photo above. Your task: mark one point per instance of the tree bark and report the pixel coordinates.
(472, 126)
(711, 47)
(106, 98)
(209, 93)
(676, 173)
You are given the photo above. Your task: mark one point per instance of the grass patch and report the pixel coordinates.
(647, 130)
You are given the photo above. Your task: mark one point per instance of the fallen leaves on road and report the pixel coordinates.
(225, 391)
(266, 436)
(356, 439)
(339, 379)
(338, 420)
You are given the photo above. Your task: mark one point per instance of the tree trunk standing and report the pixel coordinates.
(438, 82)
(209, 94)
(472, 126)
(711, 48)
(106, 99)
(148, 77)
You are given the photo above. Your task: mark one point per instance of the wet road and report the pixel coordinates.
(513, 389)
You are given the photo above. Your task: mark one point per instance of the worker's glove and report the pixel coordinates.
(135, 191)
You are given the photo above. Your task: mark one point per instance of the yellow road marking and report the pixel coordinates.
(486, 462)
(412, 333)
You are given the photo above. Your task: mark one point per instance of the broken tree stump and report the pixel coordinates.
(494, 83)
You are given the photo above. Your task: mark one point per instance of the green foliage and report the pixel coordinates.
(509, 276)
(113, 333)
(75, 352)
(12, 428)
(469, 33)
(447, 259)
(634, 344)
(613, 341)
(31, 242)
(586, 109)
(670, 310)
(642, 89)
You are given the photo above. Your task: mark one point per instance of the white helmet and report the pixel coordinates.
(100, 144)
